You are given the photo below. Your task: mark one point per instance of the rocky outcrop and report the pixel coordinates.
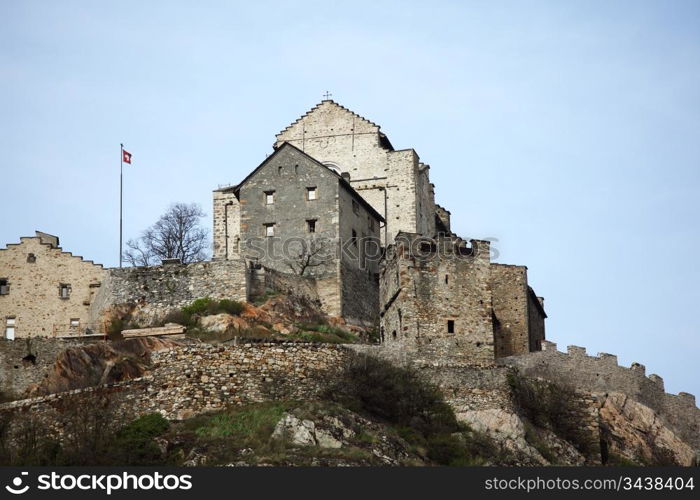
(529, 445)
(635, 432)
(100, 363)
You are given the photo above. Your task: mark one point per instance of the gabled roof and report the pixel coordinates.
(285, 145)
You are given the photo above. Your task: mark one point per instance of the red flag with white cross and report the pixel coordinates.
(126, 156)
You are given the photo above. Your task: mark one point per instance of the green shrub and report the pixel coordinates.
(551, 406)
(251, 426)
(133, 443)
(394, 394)
(199, 307)
(231, 307)
(208, 306)
(180, 317)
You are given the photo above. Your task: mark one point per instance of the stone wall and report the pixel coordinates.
(25, 362)
(226, 232)
(388, 179)
(190, 380)
(436, 301)
(601, 374)
(35, 270)
(510, 308)
(159, 289)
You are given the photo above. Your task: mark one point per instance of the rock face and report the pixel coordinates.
(632, 430)
(312, 425)
(100, 363)
(521, 439)
(304, 433)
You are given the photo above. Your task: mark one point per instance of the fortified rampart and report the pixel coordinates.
(190, 380)
(601, 375)
(158, 289)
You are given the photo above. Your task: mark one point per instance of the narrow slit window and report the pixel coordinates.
(447, 279)
(450, 326)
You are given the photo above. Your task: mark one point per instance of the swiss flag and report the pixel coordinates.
(126, 156)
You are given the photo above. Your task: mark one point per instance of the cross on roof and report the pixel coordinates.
(327, 95)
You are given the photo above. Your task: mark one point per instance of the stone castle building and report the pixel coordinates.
(294, 214)
(486, 311)
(334, 213)
(44, 291)
(443, 299)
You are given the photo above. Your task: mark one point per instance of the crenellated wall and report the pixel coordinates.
(601, 374)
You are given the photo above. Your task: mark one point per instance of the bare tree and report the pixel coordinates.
(176, 235)
(312, 253)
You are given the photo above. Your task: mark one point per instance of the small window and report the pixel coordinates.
(270, 229)
(10, 328)
(355, 207)
(354, 237)
(4, 286)
(311, 193)
(447, 279)
(450, 326)
(311, 225)
(279, 170)
(31, 258)
(64, 290)
(393, 334)
(74, 322)
(296, 169)
(269, 197)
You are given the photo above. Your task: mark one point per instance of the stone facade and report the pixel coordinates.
(395, 183)
(27, 361)
(46, 292)
(444, 300)
(292, 214)
(157, 290)
(190, 380)
(518, 313)
(437, 300)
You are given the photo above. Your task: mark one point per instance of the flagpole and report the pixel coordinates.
(121, 191)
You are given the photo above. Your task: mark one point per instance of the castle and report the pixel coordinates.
(337, 216)
(336, 211)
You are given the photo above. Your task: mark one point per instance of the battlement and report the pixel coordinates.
(604, 359)
(602, 374)
(417, 247)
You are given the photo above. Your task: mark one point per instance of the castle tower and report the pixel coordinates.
(394, 182)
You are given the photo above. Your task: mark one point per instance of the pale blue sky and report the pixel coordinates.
(569, 130)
